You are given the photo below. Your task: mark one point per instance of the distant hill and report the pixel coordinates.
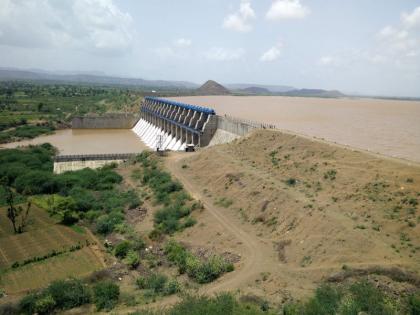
(212, 88)
(270, 88)
(314, 93)
(256, 90)
(44, 76)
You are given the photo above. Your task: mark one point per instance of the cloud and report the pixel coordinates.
(177, 49)
(98, 26)
(240, 21)
(395, 47)
(287, 9)
(224, 54)
(399, 41)
(326, 60)
(272, 54)
(411, 19)
(182, 42)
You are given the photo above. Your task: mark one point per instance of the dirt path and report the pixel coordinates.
(258, 256)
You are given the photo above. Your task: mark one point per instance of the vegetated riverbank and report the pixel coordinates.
(147, 265)
(28, 109)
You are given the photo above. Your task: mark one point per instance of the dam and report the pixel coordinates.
(170, 125)
(159, 124)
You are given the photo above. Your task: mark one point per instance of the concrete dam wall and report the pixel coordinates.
(107, 121)
(169, 125)
(163, 125)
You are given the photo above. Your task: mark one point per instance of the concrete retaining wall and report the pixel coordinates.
(108, 121)
(222, 136)
(61, 167)
(230, 128)
(234, 126)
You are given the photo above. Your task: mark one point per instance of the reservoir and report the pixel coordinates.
(388, 127)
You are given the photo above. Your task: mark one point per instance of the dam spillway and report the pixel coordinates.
(170, 125)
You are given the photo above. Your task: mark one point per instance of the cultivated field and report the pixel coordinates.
(43, 237)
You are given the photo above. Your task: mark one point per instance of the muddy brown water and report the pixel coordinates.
(388, 127)
(88, 141)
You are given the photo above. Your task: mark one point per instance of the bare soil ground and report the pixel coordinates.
(297, 211)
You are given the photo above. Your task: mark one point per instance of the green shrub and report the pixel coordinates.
(326, 301)
(201, 271)
(155, 282)
(209, 270)
(45, 304)
(68, 294)
(105, 223)
(27, 304)
(132, 259)
(122, 249)
(172, 287)
(188, 222)
(36, 182)
(30, 131)
(137, 243)
(366, 298)
(105, 295)
(414, 304)
(293, 309)
(224, 303)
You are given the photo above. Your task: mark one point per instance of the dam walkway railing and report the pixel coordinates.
(254, 124)
(94, 157)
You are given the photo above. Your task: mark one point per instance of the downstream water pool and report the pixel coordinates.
(88, 141)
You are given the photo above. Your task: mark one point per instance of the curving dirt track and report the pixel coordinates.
(258, 255)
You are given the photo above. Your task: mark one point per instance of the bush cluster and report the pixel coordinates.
(128, 251)
(201, 271)
(67, 294)
(158, 284)
(359, 298)
(174, 216)
(224, 303)
(70, 196)
(59, 295)
(25, 132)
(105, 295)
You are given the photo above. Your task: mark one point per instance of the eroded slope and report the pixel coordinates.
(319, 205)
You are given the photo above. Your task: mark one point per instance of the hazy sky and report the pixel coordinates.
(365, 46)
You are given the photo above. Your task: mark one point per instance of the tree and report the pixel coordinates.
(40, 106)
(17, 215)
